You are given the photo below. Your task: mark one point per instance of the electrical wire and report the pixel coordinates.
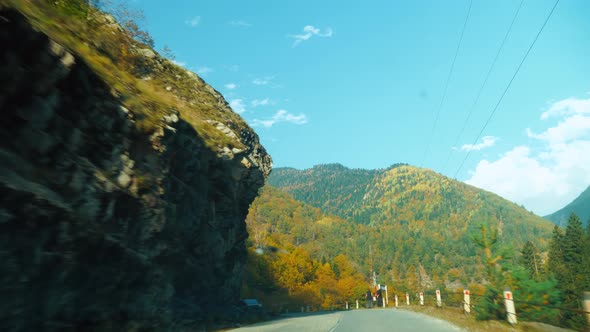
(508, 86)
(442, 100)
(485, 81)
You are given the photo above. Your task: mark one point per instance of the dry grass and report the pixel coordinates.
(465, 321)
(469, 323)
(115, 64)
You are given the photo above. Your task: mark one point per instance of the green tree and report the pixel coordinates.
(530, 259)
(555, 263)
(534, 296)
(573, 281)
(586, 264)
(490, 306)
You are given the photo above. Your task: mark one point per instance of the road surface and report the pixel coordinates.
(373, 320)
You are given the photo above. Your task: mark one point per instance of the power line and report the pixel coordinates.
(447, 84)
(508, 86)
(485, 81)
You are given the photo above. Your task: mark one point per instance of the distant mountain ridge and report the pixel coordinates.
(417, 219)
(580, 206)
(328, 186)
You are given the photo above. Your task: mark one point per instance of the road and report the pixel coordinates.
(374, 320)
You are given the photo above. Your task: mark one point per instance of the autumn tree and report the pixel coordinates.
(131, 19)
(167, 53)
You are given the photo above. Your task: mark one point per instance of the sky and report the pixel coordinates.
(362, 83)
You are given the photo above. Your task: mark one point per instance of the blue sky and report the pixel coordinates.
(360, 83)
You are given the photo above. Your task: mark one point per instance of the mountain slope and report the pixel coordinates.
(416, 219)
(296, 255)
(332, 187)
(580, 206)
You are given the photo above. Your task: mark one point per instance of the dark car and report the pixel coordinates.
(251, 310)
(251, 303)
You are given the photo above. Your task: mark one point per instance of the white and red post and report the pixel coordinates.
(466, 301)
(510, 310)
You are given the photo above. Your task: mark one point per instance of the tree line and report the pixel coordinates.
(548, 287)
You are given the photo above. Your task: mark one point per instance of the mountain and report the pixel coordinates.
(412, 219)
(580, 206)
(125, 180)
(332, 187)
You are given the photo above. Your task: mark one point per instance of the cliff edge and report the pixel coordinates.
(109, 222)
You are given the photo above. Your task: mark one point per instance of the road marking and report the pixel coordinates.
(338, 322)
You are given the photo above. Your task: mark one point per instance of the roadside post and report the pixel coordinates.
(421, 298)
(386, 298)
(346, 305)
(407, 299)
(510, 310)
(466, 301)
(357, 303)
(396, 300)
(438, 299)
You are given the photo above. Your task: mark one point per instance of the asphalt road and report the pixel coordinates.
(373, 320)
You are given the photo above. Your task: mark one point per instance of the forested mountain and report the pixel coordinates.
(580, 206)
(299, 256)
(332, 187)
(418, 224)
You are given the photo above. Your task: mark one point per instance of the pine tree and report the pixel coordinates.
(586, 264)
(555, 263)
(573, 281)
(530, 259)
(489, 305)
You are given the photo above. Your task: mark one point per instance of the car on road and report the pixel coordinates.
(251, 303)
(252, 310)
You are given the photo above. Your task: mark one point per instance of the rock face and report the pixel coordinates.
(103, 226)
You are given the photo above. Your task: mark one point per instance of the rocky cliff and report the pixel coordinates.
(105, 225)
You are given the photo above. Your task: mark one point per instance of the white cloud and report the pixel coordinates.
(238, 106)
(231, 86)
(193, 22)
(260, 102)
(572, 128)
(240, 23)
(203, 71)
(179, 63)
(308, 32)
(281, 116)
(263, 80)
(487, 141)
(547, 178)
(568, 106)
